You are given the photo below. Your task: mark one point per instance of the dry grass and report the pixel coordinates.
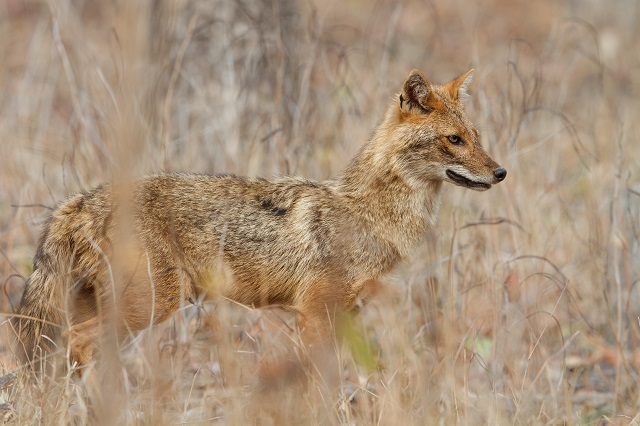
(523, 309)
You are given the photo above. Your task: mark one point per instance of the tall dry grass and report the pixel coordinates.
(523, 308)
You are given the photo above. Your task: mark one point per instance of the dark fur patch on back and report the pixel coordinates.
(268, 204)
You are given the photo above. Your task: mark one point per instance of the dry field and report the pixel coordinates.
(524, 308)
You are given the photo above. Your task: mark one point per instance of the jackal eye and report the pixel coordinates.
(455, 139)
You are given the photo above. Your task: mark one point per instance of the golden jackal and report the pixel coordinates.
(314, 246)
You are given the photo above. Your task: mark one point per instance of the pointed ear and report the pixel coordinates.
(458, 86)
(416, 92)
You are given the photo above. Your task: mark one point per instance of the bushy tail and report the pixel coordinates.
(41, 315)
(66, 247)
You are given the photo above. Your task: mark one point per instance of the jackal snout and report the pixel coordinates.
(462, 176)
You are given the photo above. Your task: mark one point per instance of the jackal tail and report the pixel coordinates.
(38, 322)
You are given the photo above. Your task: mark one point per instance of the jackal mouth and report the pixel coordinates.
(463, 181)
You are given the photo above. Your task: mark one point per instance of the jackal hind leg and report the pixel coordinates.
(82, 339)
(149, 299)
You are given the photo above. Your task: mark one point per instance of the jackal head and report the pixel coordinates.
(434, 138)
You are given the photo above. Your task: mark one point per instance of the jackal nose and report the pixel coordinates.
(500, 173)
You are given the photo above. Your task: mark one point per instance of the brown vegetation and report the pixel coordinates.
(523, 309)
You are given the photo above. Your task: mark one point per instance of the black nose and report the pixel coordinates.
(500, 173)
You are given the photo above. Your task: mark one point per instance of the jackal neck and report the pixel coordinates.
(376, 192)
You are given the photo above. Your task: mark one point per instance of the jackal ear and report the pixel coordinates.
(458, 86)
(416, 92)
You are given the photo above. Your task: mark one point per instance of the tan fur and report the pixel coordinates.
(138, 252)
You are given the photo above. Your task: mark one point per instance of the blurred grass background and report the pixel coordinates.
(523, 308)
